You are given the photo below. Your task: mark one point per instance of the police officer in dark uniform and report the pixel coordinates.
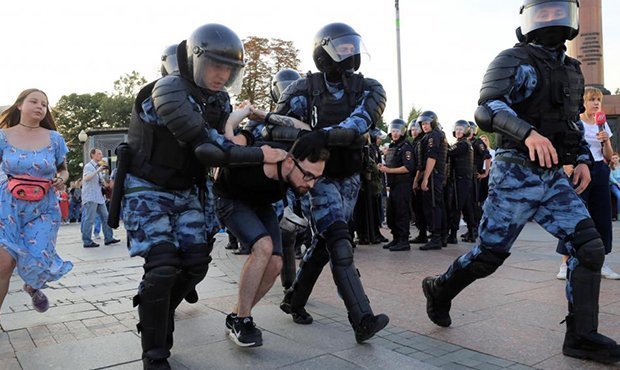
(341, 106)
(399, 168)
(458, 187)
(473, 208)
(173, 136)
(433, 153)
(417, 205)
(531, 96)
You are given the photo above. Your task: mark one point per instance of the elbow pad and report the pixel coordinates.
(345, 137)
(376, 99)
(280, 133)
(211, 155)
(502, 122)
(172, 104)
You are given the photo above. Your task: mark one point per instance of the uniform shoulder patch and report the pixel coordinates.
(408, 155)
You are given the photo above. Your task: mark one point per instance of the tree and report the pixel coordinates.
(617, 91)
(264, 58)
(77, 112)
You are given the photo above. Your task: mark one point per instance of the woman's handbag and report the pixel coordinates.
(28, 188)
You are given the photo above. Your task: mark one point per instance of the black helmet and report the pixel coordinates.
(473, 128)
(414, 126)
(280, 82)
(377, 133)
(215, 44)
(549, 22)
(337, 49)
(428, 116)
(169, 62)
(463, 125)
(398, 124)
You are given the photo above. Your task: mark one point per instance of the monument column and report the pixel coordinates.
(587, 47)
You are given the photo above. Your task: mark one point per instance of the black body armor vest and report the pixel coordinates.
(394, 159)
(463, 164)
(156, 155)
(554, 106)
(325, 111)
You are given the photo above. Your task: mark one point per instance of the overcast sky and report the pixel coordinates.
(65, 47)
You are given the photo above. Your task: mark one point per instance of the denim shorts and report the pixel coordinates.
(250, 223)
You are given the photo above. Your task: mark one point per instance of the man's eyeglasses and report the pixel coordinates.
(308, 176)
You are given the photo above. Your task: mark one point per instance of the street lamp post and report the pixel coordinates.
(400, 82)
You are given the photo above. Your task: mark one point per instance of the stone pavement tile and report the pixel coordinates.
(369, 356)
(538, 314)
(136, 365)
(9, 363)
(115, 307)
(276, 351)
(313, 335)
(561, 362)
(199, 331)
(5, 343)
(20, 340)
(507, 339)
(12, 321)
(327, 361)
(85, 354)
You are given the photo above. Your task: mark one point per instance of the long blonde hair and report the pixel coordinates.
(10, 117)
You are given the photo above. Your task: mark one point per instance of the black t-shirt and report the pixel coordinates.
(250, 185)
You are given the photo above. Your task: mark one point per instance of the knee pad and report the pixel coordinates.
(589, 248)
(338, 230)
(196, 255)
(162, 254)
(487, 262)
(341, 253)
(156, 284)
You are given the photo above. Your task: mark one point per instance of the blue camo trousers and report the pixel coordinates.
(517, 194)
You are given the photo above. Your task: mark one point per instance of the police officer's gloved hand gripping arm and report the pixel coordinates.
(184, 120)
(348, 133)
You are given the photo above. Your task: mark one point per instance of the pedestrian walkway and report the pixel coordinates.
(511, 320)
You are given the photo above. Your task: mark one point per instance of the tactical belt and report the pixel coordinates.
(522, 162)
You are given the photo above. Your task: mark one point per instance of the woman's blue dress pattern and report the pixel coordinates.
(28, 230)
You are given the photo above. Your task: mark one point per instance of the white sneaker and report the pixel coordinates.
(562, 273)
(97, 236)
(608, 273)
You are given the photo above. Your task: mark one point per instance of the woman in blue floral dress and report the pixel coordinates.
(30, 145)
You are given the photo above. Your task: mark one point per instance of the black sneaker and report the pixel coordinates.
(229, 321)
(300, 315)
(91, 245)
(370, 326)
(244, 333)
(112, 241)
(400, 246)
(438, 312)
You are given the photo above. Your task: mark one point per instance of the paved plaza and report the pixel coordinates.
(510, 320)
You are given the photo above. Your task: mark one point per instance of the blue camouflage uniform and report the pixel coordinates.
(518, 193)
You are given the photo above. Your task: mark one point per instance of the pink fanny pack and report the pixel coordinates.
(28, 188)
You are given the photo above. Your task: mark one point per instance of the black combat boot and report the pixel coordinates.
(470, 236)
(390, 244)
(370, 325)
(402, 245)
(452, 237)
(592, 346)
(420, 239)
(434, 243)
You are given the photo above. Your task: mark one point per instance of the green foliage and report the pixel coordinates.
(492, 137)
(414, 113)
(77, 112)
(264, 58)
(617, 91)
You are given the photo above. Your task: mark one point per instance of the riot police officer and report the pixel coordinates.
(458, 187)
(399, 168)
(169, 62)
(340, 105)
(482, 165)
(173, 136)
(531, 96)
(417, 206)
(431, 171)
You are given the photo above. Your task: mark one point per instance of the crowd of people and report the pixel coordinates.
(310, 172)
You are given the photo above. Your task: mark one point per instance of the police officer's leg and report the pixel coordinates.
(153, 301)
(390, 217)
(420, 218)
(310, 268)
(290, 226)
(500, 227)
(561, 213)
(435, 202)
(402, 215)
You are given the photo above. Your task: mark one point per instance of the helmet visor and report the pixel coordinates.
(217, 74)
(343, 47)
(550, 13)
(169, 63)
